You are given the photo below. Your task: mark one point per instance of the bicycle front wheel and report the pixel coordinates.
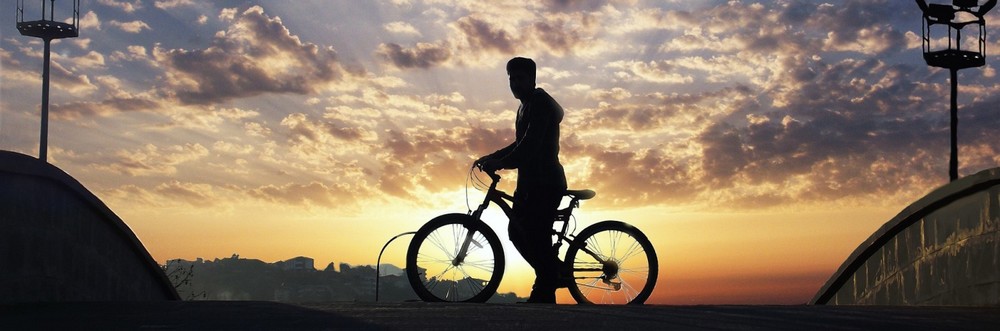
(612, 263)
(455, 258)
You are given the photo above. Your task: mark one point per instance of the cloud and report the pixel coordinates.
(199, 195)
(228, 14)
(423, 160)
(716, 69)
(978, 121)
(232, 148)
(64, 70)
(481, 35)
(423, 55)
(169, 4)
(207, 119)
(204, 195)
(874, 40)
(132, 53)
(302, 128)
(255, 129)
(91, 60)
(128, 7)
(86, 109)
(480, 38)
(14, 70)
(130, 27)
(574, 5)
(653, 71)
(557, 36)
(90, 21)
(329, 146)
(851, 130)
(68, 80)
(310, 194)
(628, 176)
(762, 41)
(737, 104)
(152, 160)
(402, 28)
(255, 55)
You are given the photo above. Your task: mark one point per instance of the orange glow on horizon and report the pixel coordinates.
(760, 258)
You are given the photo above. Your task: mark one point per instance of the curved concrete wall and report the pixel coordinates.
(943, 249)
(59, 242)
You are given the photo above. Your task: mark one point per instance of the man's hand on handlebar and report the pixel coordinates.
(488, 165)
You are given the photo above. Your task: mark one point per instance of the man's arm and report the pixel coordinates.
(501, 153)
(541, 120)
(491, 162)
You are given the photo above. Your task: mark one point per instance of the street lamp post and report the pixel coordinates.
(956, 17)
(47, 29)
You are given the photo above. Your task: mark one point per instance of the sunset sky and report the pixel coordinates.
(757, 143)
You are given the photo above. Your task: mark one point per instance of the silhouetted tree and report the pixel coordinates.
(180, 275)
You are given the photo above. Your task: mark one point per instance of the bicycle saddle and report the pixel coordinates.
(581, 194)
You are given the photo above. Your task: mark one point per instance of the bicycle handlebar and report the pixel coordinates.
(496, 179)
(492, 194)
(493, 175)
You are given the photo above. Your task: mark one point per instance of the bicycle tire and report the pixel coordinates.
(619, 276)
(433, 249)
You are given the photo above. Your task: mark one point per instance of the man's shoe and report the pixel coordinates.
(542, 296)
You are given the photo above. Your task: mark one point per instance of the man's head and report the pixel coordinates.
(521, 72)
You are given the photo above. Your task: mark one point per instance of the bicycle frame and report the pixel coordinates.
(563, 215)
(467, 256)
(497, 197)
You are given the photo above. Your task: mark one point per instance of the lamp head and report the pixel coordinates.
(965, 4)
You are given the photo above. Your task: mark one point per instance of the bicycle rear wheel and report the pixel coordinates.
(612, 263)
(439, 272)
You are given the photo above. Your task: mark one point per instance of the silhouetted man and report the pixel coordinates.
(541, 181)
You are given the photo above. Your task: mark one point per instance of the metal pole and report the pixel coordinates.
(44, 141)
(378, 263)
(953, 164)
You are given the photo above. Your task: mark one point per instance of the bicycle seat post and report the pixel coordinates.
(564, 216)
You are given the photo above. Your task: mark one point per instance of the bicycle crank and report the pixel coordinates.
(617, 286)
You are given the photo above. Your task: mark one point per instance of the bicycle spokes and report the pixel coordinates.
(611, 267)
(456, 264)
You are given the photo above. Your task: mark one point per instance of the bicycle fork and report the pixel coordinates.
(477, 214)
(464, 251)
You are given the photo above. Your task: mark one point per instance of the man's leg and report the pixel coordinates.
(531, 233)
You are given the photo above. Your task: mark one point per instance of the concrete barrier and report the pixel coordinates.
(943, 249)
(59, 242)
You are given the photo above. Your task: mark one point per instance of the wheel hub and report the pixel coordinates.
(610, 269)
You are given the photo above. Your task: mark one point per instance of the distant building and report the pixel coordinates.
(361, 279)
(292, 280)
(297, 263)
(390, 270)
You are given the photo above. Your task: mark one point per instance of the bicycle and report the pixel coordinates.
(459, 258)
